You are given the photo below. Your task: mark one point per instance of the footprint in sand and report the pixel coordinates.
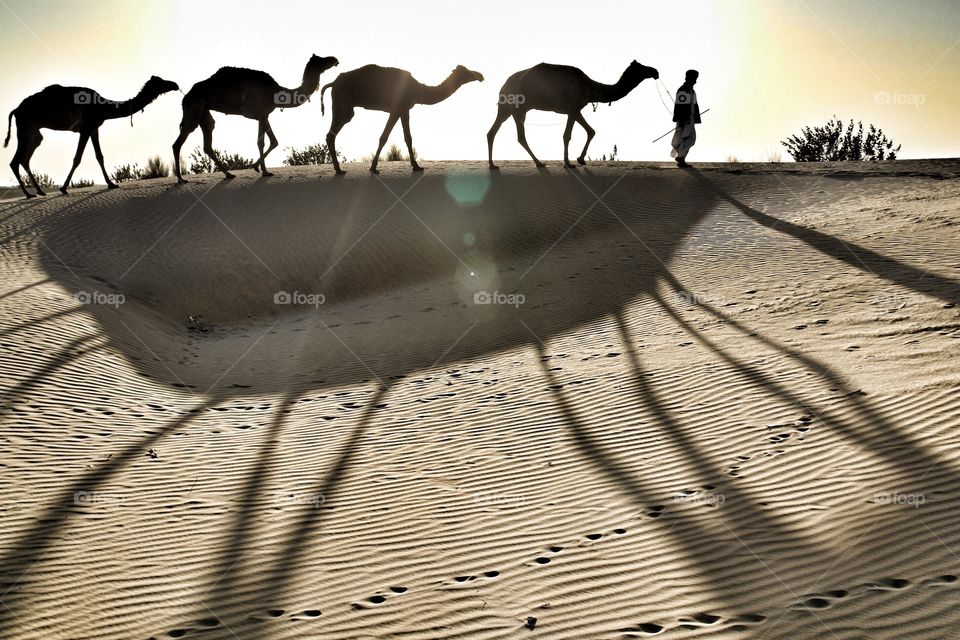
(892, 584)
(379, 598)
(940, 581)
(201, 625)
(697, 621)
(817, 601)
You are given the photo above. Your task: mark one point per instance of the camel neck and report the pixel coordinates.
(600, 92)
(126, 108)
(434, 94)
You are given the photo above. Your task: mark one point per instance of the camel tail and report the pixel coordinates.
(9, 119)
(323, 91)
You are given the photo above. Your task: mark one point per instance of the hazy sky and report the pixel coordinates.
(767, 67)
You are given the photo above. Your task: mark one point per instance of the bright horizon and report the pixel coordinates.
(766, 69)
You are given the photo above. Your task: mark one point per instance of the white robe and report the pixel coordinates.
(684, 137)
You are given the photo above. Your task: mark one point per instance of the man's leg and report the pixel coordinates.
(688, 139)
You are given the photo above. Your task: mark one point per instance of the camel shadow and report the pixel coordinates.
(408, 259)
(851, 253)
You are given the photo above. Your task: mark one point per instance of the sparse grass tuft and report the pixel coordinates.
(156, 168)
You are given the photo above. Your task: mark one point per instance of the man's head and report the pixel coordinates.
(691, 77)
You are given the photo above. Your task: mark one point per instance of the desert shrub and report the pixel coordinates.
(45, 181)
(771, 155)
(80, 183)
(126, 172)
(395, 154)
(732, 159)
(200, 162)
(605, 158)
(312, 154)
(835, 142)
(156, 168)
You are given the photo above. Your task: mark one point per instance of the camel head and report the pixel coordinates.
(318, 64)
(638, 72)
(311, 73)
(157, 86)
(461, 75)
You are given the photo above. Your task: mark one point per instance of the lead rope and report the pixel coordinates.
(662, 101)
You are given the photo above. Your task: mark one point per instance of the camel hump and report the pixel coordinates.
(240, 74)
(375, 71)
(544, 72)
(559, 69)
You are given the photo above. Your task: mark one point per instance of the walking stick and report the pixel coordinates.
(674, 129)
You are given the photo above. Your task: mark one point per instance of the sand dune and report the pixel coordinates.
(719, 402)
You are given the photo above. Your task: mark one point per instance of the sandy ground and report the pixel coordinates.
(719, 402)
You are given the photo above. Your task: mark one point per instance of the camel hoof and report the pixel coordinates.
(182, 181)
(376, 171)
(63, 190)
(267, 174)
(581, 161)
(341, 172)
(569, 166)
(494, 167)
(40, 193)
(540, 165)
(110, 185)
(30, 195)
(229, 176)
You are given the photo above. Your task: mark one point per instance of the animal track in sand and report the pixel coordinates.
(700, 620)
(825, 600)
(378, 598)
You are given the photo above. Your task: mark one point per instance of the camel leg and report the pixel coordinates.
(405, 123)
(502, 115)
(15, 165)
(29, 144)
(261, 163)
(391, 123)
(519, 118)
(273, 145)
(261, 134)
(187, 126)
(567, 131)
(81, 145)
(206, 127)
(340, 118)
(22, 143)
(590, 133)
(95, 139)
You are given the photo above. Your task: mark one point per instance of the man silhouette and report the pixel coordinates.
(686, 113)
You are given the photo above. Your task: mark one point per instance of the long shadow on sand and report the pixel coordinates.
(422, 249)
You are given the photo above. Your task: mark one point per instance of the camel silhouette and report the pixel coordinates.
(562, 89)
(386, 89)
(72, 109)
(244, 92)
